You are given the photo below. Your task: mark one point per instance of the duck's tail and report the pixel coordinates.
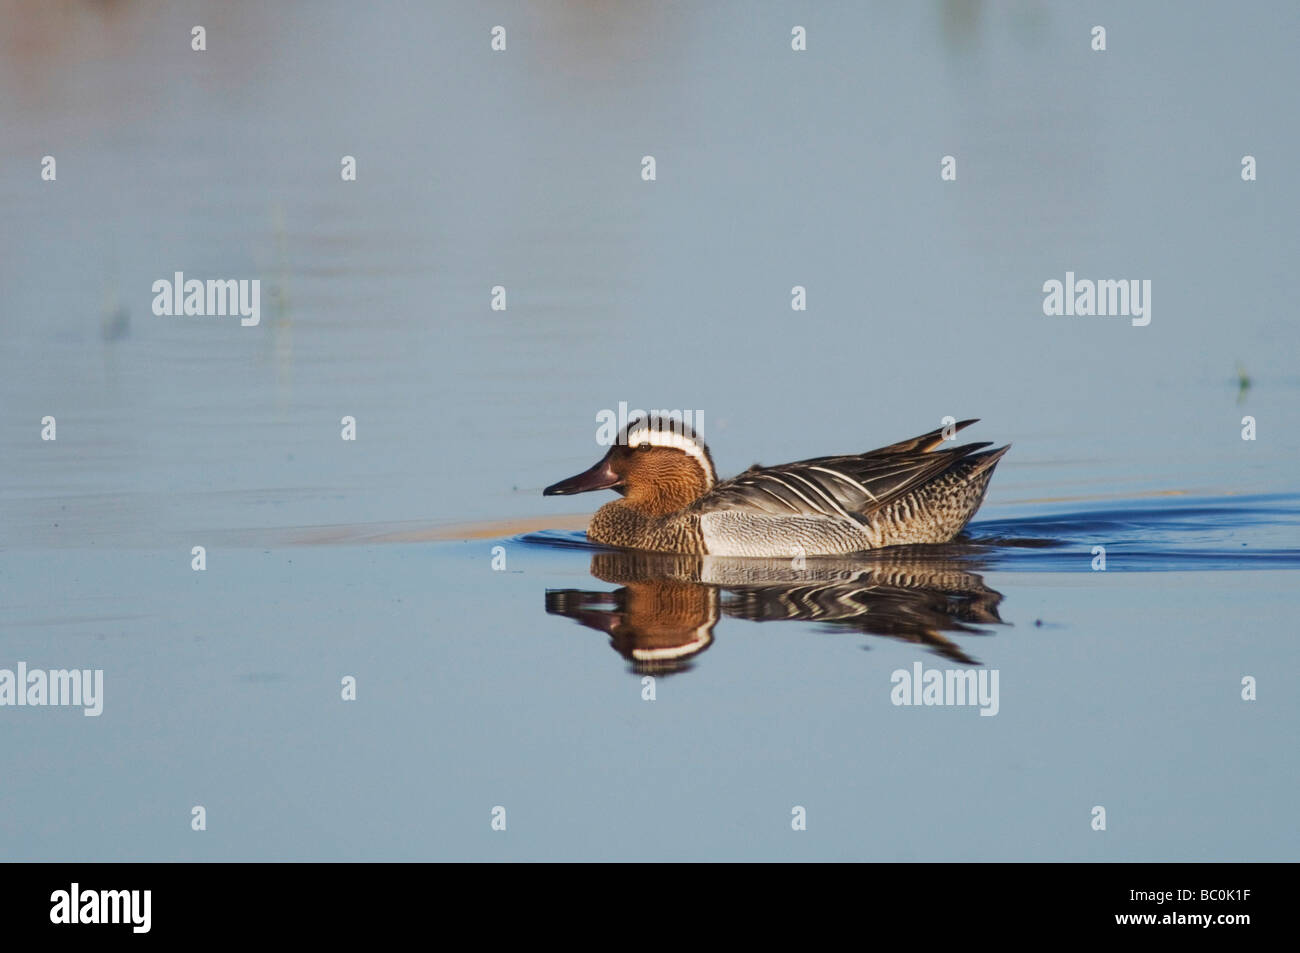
(985, 462)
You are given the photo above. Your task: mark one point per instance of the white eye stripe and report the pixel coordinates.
(641, 436)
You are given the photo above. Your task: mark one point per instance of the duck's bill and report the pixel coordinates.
(599, 477)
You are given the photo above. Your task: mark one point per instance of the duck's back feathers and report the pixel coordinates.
(843, 487)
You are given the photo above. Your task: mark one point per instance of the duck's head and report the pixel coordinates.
(658, 466)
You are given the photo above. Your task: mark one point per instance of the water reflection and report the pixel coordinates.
(665, 609)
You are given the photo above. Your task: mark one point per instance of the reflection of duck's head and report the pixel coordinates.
(657, 624)
(668, 604)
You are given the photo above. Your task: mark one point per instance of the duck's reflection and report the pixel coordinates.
(664, 612)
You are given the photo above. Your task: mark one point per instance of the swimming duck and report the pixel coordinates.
(905, 493)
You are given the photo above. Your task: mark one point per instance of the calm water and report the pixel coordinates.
(523, 688)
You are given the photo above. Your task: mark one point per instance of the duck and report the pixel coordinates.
(908, 493)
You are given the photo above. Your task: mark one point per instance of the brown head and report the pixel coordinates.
(659, 467)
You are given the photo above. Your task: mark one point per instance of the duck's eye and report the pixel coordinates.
(643, 446)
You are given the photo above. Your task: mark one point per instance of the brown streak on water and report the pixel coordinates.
(394, 533)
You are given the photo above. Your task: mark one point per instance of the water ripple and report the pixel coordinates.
(1187, 535)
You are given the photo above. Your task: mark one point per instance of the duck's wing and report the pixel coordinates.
(927, 441)
(853, 486)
